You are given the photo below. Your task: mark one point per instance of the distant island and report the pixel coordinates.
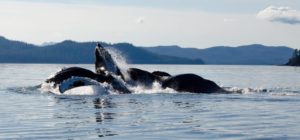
(82, 53)
(295, 59)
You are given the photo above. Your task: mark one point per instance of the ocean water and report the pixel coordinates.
(266, 105)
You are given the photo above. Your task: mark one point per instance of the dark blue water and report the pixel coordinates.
(28, 113)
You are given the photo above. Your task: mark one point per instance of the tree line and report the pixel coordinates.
(295, 59)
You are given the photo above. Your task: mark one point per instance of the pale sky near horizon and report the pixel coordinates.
(187, 23)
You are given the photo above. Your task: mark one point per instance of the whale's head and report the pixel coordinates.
(104, 63)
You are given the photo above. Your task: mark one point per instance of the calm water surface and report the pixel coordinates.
(28, 113)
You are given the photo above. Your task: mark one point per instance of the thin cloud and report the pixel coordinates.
(285, 15)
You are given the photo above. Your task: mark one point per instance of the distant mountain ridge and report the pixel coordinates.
(79, 52)
(255, 54)
(70, 51)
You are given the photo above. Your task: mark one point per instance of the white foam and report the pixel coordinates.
(245, 90)
(284, 94)
(120, 61)
(155, 88)
(49, 87)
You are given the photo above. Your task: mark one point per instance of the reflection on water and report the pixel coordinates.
(104, 116)
(104, 132)
(86, 113)
(101, 115)
(183, 105)
(100, 103)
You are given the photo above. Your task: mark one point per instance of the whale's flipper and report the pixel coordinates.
(104, 63)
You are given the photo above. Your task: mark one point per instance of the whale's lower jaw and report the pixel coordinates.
(104, 62)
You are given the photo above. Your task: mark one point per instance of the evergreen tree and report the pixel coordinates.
(295, 54)
(295, 59)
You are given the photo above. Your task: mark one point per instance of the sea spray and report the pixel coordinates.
(120, 59)
(155, 88)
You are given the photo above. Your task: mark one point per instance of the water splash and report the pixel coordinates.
(272, 92)
(284, 92)
(48, 87)
(120, 60)
(154, 89)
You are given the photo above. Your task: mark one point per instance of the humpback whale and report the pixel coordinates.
(107, 71)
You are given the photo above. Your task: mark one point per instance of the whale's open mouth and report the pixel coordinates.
(104, 63)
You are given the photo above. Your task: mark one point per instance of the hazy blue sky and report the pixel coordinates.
(188, 23)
